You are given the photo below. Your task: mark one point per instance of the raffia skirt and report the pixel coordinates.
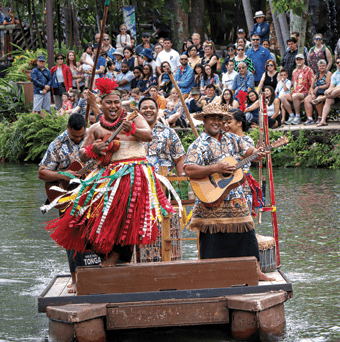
(116, 205)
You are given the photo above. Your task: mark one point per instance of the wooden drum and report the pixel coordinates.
(267, 249)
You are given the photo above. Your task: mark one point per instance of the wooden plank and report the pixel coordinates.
(179, 275)
(58, 287)
(167, 313)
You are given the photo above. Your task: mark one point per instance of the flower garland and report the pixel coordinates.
(114, 125)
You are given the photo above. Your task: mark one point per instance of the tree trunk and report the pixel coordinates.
(76, 34)
(300, 24)
(21, 28)
(36, 26)
(278, 33)
(284, 27)
(196, 17)
(179, 25)
(248, 12)
(58, 25)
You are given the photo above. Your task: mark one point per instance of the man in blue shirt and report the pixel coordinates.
(185, 76)
(145, 45)
(125, 77)
(101, 62)
(42, 80)
(244, 80)
(259, 55)
(262, 28)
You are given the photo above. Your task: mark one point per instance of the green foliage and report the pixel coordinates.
(188, 138)
(28, 137)
(297, 6)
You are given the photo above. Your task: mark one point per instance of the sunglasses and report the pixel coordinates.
(231, 50)
(145, 37)
(106, 39)
(337, 62)
(299, 59)
(184, 59)
(240, 49)
(270, 64)
(58, 59)
(123, 29)
(318, 39)
(242, 68)
(255, 39)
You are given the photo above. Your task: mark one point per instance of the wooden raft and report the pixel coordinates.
(172, 276)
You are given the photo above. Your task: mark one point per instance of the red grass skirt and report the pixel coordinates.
(105, 213)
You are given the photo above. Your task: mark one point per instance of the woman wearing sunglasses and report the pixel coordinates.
(317, 52)
(107, 47)
(241, 57)
(270, 77)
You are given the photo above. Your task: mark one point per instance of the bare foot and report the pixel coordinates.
(111, 261)
(264, 277)
(72, 288)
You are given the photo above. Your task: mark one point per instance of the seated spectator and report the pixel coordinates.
(241, 34)
(148, 80)
(337, 50)
(244, 80)
(270, 77)
(110, 70)
(157, 48)
(228, 77)
(136, 96)
(107, 47)
(119, 55)
(194, 58)
(185, 46)
(302, 81)
(317, 52)
(332, 94)
(161, 101)
(123, 39)
(145, 44)
(148, 59)
(81, 106)
(125, 77)
(170, 110)
(196, 40)
(185, 76)
(252, 107)
(228, 99)
(266, 44)
(210, 97)
(66, 105)
(128, 56)
(273, 107)
(198, 72)
(284, 86)
(209, 78)
(164, 83)
(261, 28)
(210, 57)
(242, 42)
(231, 53)
(11, 19)
(193, 107)
(179, 118)
(138, 73)
(241, 57)
(316, 93)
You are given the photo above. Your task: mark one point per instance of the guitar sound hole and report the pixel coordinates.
(226, 174)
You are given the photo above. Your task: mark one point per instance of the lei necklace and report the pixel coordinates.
(114, 125)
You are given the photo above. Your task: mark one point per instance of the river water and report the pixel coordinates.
(308, 209)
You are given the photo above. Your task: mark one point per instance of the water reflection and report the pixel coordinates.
(308, 218)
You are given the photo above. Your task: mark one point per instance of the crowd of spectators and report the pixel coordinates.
(249, 68)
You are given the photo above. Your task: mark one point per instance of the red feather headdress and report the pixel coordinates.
(107, 86)
(242, 96)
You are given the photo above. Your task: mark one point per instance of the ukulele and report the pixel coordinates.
(82, 170)
(212, 190)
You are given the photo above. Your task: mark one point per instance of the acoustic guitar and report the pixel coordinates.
(213, 190)
(82, 170)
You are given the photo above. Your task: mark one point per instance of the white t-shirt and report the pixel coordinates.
(228, 79)
(171, 57)
(279, 88)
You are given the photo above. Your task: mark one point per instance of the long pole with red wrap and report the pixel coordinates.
(106, 8)
(271, 183)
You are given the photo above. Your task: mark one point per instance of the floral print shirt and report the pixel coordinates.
(207, 150)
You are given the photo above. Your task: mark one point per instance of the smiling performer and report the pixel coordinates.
(116, 206)
(226, 230)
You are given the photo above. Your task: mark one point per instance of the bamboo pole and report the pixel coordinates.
(259, 216)
(106, 7)
(183, 103)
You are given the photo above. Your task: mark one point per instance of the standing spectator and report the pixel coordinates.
(76, 69)
(270, 77)
(100, 67)
(244, 80)
(145, 44)
(148, 80)
(332, 94)
(316, 94)
(185, 77)
(296, 35)
(11, 19)
(196, 39)
(261, 28)
(288, 60)
(194, 58)
(302, 81)
(266, 44)
(317, 52)
(62, 75)
(107, 47)
(42, 81)
(169, 55)
(231, 53)
(161, 101)
(210, 57)
(242, 34)
(137, 73)
(259, 55)
(123, 39)
(241, 57)
(228, 77)
(86, 62)
(119, 55)
(125, 77)
(209, 78)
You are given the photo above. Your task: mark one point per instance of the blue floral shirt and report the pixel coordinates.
(207, 150)
(164, 148)
(61, 152)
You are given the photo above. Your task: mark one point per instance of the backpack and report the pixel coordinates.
(324, 50)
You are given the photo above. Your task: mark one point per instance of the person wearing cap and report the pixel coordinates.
(288, 60)
(169, 55)
(242, 34)
(194, 104)
(303, 78)
(42, 81)
(226, 230)
(262, 28)
(184, 76)
(145, 44)
(119, 55)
